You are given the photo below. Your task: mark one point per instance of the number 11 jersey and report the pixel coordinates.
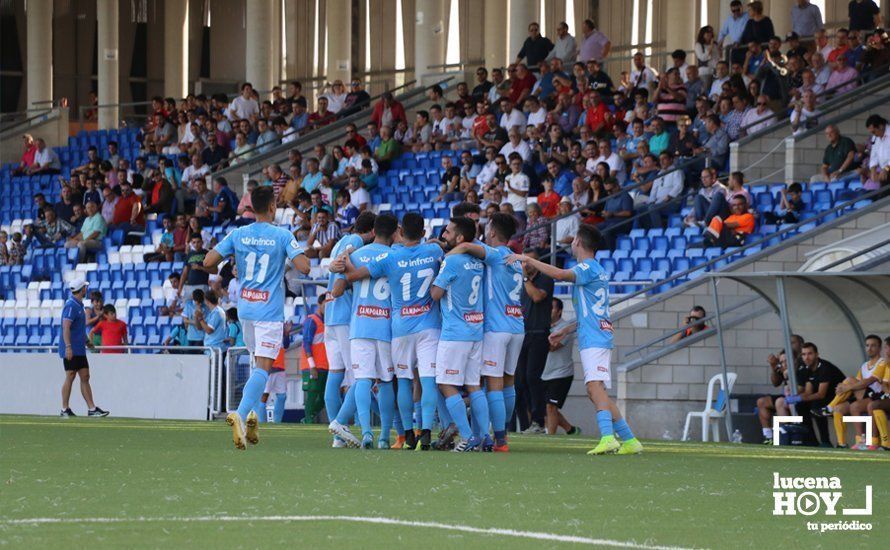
(261, 251)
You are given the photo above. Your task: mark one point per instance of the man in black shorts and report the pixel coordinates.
(778, 377)
(559, 371)
(819, 388)
(73, 350)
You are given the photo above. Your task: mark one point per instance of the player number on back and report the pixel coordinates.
(426, 274)
(474, 285)
(380, 290)
(514, 294)
(251, 261)
(599, 307)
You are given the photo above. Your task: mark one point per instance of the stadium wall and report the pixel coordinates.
(657, 396)
(136, 386)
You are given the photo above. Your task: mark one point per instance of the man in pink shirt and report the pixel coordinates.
(843, 78)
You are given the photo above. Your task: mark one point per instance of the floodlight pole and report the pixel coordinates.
(790, 360)
(726, 389)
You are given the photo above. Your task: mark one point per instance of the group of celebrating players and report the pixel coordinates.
(441, 316)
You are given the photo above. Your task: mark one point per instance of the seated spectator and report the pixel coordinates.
(819, 387)
(618, 208)
(51, 231)
(567, 225)
(356, 99)
(667, 186)
(789, 208)
(805, 114)
(29, 149)
(549, 199)
(324, 235)
(617, 168)
(89, 238)
(322, 116)
(660, 140)
(710, 200)
(128, 213)
(511, 117)
(759, 118)
(46, 161)
(735, 187)
(388, 112)
(692, 323)
(112, 330)
(159, 199)
(422, 134)
(686, 141)
(449, 181)
(732, 230)
(164, 249)
(4, 248)
(843, 78)
(516, 145)
(224, 202)
(538, 227)
(878, 169)
(838, 158)
(360, 198)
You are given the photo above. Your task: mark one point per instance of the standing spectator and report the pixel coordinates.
(112, 330)
(549, 199)
(244, 107)
(313, 363)
(212, 322)
(707, 54)
(89, 239)
(192, 314)
(535, 48)
(29, 149)
(94, 314)
(732, 30)
(594, 44)
(806, 18)
(194, 275)
(865, 15)
(559, 371)
(565, 48)
(73, 350)
(759, 28)
(536, 309)
(641, 77)
(879, 158)
(234, 332)
(517, 185)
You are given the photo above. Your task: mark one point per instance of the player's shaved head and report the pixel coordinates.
(412, 226)
(385, 226)
(364, 223)
(589, 238)
(502, 225)
(262, 198)
(464, 227)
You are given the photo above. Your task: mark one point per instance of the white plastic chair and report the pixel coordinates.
(715, 408)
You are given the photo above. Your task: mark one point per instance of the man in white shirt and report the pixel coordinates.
(758, 118)
(516, 145)
(197, 169)
(879, 158)
(667, 186)
(489, 169)
(567, 227)
(537, 114)
(511, 116)
(564, 47)
(358, 195)
(721, 77)
(516, 184)
(642, 76)
(616, 166)
(46, 161)
(244, 106)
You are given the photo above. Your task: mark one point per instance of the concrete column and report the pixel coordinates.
(680, 27)
(39, 21)
(522, 12)
(780, 12)
(339, 47)
(495, 35)
(108, 19)
(258, 45)
(176, 48)
(429, 37)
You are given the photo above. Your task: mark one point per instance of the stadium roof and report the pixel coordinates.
(834, 310)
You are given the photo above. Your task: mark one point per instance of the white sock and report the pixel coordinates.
(768, 433)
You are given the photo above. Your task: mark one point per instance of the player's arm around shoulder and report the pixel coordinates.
(471, 249)
(443, 280)
(296, 254)
(545, 268)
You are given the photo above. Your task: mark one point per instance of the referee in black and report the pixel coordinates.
(73, 350)
(537, 298)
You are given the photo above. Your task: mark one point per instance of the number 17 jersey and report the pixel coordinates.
(590, 296)
(410, 271)
(261, 252)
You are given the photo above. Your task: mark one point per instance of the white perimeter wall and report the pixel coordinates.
(136, 386)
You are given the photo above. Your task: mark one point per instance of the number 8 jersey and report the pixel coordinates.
(462, 307)
(261, 252)
(590, 296)
(371, 308)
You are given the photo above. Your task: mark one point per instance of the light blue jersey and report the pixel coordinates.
(411, 271)
(590, 296)
(503, 292)
(371, 307)
(339, 310)
(261, 251)
(463, 315)
(194, 332)
(216, 319)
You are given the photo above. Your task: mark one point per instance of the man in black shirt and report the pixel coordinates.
(600, 81)
(480, 90)
(537, 297)
(865, 15)
(450, 181)
(535, 48)
(194, 276)
(822, 378)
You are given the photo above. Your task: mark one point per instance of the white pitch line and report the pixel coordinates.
(552, 537)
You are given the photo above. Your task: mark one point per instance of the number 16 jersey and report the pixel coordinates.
(371, 308)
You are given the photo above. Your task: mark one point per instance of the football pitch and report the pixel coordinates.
(135, 483)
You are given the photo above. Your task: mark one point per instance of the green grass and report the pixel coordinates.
(690, 495)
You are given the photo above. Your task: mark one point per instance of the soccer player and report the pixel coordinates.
(411, 268)
(590, 296)
(458, 288)
(879, 406)
(504, 325)
(261, 251)
(338, 312)
(370, 335)
(853, 395)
